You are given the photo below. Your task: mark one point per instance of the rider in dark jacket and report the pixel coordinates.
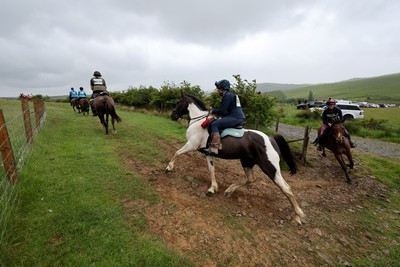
(98, 85)
(230, 111)
(330, 114)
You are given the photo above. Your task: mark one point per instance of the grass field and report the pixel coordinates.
(72, 211)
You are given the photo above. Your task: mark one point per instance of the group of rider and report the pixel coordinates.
(230, 112)
(98, 86)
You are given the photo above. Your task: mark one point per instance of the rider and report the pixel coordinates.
(330, 114)
(98, 85)
(230, 110)
(81, 94)
(72, 95)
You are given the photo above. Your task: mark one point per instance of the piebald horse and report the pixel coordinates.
(254, 147)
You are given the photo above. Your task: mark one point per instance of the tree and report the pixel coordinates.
(310, 96)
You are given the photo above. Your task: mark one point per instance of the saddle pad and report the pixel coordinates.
(232, 132)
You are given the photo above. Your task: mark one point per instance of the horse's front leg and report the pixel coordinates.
(186, 148)
(339, 158)
(249, 179)
(214, 185)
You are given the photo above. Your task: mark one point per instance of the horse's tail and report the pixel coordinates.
(112, 112)
(286, 153)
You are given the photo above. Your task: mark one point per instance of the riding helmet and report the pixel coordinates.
(81, 88)
(330, 101)
(223, 84)
(97, 74)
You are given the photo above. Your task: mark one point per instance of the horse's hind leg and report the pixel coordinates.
(249, 179)
(287, 190)
(113, 126)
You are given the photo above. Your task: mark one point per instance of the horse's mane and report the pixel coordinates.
(197, 102)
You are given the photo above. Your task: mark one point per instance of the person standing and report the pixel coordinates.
(98, 85)
(230, 111)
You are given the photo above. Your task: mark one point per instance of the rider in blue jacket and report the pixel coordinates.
(81, 94)
(72, 95)
(230, 111)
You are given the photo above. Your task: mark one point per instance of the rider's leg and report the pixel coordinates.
(321, 135)
(215, 138)
(346, 133)
(94, 113)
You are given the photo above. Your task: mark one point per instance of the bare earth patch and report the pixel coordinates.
(255, 226)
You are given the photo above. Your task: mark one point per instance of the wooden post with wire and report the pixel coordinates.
(37, 110)
(6, 151)
(27, 120)
(305, 144)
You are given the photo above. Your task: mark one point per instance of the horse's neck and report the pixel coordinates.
(194, 111)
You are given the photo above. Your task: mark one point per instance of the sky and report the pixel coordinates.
(49, 46)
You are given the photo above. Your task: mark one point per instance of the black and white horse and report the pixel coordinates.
(254, 147)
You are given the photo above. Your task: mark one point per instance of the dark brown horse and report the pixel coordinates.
(336, 141)
(75, 104)
(105, 107)
(84, 104)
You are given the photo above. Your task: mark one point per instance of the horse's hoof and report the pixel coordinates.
(227, 194)
(349, 181)
(114, 132)
(209, 194)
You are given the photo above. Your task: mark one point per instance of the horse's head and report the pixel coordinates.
(181, 108)
(338, 130)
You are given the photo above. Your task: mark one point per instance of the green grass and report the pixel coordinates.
(71, 193)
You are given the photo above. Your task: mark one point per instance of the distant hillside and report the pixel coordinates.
(382, 89)
(269, 87)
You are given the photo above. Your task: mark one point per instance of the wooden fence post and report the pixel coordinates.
(36, 108)
(305, 144)
(27, 120)
(6, 151)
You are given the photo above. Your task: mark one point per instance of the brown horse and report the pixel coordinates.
(75, 103)
(84, 104)
(104, 106)
(337, 142)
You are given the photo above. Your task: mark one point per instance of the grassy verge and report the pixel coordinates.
(70, 207)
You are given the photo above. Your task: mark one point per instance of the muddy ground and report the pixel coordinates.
(255, 226)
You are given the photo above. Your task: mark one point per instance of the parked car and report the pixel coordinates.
(311, 104)
(349, 111)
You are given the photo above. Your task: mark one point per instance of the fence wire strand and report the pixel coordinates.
(20, 151)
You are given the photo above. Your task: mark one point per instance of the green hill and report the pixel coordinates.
(382, 89)
(269, 87)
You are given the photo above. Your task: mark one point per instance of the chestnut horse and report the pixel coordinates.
(253, 148)
(336, 141)
(75, 103)
(84, 104)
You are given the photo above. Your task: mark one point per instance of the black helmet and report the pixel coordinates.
(97, 73)
(223, 84)
(81, 88)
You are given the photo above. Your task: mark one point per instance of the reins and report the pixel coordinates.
(195, 119)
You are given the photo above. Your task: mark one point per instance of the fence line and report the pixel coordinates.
(16, 137)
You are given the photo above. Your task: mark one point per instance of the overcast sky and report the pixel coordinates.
(49, 46)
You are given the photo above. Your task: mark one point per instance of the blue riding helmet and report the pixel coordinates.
(223, 84)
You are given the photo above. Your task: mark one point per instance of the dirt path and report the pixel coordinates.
(255, 227)
(381, 148)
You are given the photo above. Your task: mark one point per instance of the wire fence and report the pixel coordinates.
(16, 137)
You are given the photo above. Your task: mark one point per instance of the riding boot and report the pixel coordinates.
(352, 145)
(215, 143)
